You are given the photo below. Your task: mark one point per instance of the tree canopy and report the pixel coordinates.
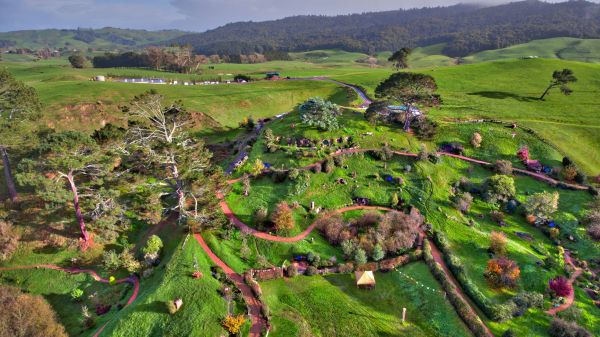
(320, 113)
(408, 87)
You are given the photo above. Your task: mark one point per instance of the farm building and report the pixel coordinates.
(365, 279)
(272, 76)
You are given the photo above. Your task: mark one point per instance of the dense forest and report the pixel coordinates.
(464, 28)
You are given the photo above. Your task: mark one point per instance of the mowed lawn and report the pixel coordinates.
(332, 306)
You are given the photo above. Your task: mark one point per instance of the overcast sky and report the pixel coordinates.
(192, 15)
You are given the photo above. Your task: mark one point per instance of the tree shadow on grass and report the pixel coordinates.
(503, 95)
(158, 307)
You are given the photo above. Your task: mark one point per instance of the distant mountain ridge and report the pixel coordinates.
(464, 28)
(103, 38)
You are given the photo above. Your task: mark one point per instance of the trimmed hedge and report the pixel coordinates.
(490, 309)
(470, 318)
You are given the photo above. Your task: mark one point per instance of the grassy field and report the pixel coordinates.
(333, 306)
(509, 91)
(564, 48)
(203, 307)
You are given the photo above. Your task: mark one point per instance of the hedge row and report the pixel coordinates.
(456, 266)
(467, 314)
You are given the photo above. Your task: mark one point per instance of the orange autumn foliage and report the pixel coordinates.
(502, 273)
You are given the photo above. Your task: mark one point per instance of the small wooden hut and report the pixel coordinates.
(365, 279)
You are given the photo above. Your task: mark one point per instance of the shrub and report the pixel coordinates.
(129, 262)
(348, 248)
(560, 286)
(360, 256)
(499, 188)
(569, 172)
(497, 216)
(503, 167)
(339, 160)
(233, 324)
(293, 174)
(261, 215)
(76, 294)
(270, 140)
(110, 260)
(463, 201)
(395, 200)
(523, 153)
(328, 166)
(310, 271)
(594, 231)
(423, 153)
(424, 128)
(257, 168)
(153, 245)
(346, 268)
(542, 205)
(562, 328)
(498, 243)
(502, 273)
(282, 217)
(504, 312)
(8, 240)
(292, 270)
(27, 315)
(378, 253)
(476, 139)
(528, 300)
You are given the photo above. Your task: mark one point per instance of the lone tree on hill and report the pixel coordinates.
(19, 106)
(560, 78)
(400, 58)
(320, 113)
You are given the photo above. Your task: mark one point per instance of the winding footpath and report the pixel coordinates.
(571, 298)
(131, 279)
(253, 303)
(437, 255)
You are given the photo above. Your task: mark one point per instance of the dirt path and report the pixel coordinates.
(131, 279)
(571, 298)
(437, 255)
(258, 323)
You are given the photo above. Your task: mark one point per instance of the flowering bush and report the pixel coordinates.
(523, 153)
(560, 286)
(502, 273)
(233, 323)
